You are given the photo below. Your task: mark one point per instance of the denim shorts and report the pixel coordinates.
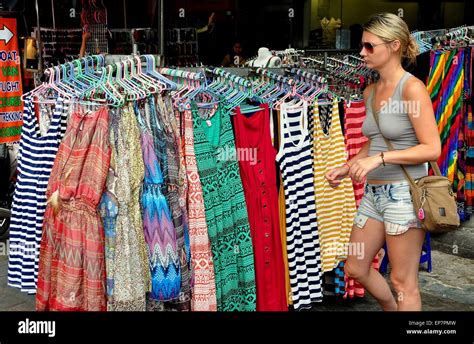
(390, 204)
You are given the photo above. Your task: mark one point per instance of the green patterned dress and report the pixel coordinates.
(226, 212)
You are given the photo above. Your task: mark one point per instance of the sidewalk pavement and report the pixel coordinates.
(450, 287)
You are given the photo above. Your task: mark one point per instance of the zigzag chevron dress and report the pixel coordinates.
(160, 233)
(226, 212)
(71, 273)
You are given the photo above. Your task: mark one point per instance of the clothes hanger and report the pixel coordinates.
(137, 77)
(133, 92)
(49, 90)
(119, 99)
(157, 85)
(151, 71)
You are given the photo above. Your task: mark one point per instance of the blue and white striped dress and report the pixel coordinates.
(296, 165)
(35, 162)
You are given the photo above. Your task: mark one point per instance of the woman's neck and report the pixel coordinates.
(391, 72)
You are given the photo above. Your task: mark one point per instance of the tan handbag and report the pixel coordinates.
(433, 197)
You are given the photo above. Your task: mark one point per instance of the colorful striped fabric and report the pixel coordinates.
(469, 132)
(335, 207)
(355, 140)
(445, 87)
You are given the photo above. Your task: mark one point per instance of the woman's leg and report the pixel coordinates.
(370, 238)
(404, 252)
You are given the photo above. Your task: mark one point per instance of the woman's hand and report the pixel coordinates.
(362, 167)
(335, 175)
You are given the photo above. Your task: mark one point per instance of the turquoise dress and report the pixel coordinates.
(226, 212)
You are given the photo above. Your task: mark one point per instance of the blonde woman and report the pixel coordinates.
(386, 212)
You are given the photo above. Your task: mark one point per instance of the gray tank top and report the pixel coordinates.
(397, 128)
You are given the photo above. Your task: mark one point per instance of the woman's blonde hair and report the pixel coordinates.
(390, 27)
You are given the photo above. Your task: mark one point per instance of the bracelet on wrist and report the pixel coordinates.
(382, 157)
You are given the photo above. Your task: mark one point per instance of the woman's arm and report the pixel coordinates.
(424, 122)
(363, 153)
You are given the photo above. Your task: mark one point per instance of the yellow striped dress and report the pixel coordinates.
(335, 207)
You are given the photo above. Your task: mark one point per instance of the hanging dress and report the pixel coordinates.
(256, 157)
(167, 121)
(35, 161)
(160, 234)
(335, 206)
(355, 139)
(130, 266)
(109, 206)
(282, 212)
(294, 158)
(226, 212)
(204, 287)
(71, 273)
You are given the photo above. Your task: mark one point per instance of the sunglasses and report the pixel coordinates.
(369, 47)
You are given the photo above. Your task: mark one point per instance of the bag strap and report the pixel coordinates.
(434, 164)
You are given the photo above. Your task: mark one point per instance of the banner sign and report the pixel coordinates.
(11, 106)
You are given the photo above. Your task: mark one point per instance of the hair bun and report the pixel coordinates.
(411, 50)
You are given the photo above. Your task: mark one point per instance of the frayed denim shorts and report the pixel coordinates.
(390, 204)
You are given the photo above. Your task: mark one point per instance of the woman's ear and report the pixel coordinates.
(396, 45)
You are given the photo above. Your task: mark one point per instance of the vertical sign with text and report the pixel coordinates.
(11, 107)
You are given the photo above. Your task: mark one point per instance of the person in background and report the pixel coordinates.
(235, 58)
(85, 37)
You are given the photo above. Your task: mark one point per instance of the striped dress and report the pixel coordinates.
(294, 158)
(355, 140)
(35, 162)
(335, 206)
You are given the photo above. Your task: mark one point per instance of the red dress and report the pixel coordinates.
(71, 273)
(256, 156)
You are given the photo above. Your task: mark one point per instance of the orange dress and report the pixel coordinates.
(71, 273)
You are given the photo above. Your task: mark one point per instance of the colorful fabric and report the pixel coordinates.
(130, 266)
(204, 287)
(335, 207)
(160, 233)
(167, 121)
(469, 132)
(354, 139)
(446, 93)
(226, 212)
(71, 273)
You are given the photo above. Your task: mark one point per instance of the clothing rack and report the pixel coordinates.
(444, 39)
(179, 73)
(277, 77)
(308, 76)
(232, 77)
